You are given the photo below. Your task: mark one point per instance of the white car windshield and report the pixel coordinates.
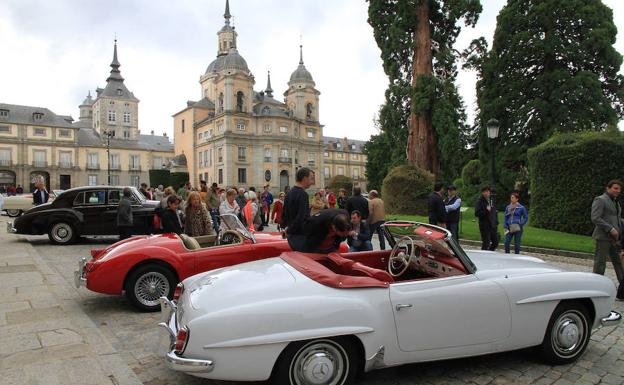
(431, 238)
(231, 222)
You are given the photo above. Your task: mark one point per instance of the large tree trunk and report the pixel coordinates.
(422, 144)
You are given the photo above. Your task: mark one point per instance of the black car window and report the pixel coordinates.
(79, 200)
(114, 196)
(94, 197)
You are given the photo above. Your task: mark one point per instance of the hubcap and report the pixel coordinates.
(320, 363)
(61, 232)
(568, 333)
(150, 287)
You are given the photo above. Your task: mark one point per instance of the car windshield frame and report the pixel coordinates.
(231, 222)
(431, 236)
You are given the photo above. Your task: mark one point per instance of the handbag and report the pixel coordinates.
(514, 227)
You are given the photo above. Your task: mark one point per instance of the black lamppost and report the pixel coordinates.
(108, 135)
(492, 133)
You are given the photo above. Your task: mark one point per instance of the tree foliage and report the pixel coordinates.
(552, 69)
(394, 23)
(338, 182)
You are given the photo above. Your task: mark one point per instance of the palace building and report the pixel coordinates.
(236, 136)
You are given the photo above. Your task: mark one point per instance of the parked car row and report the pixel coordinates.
(243, 306)
(16, 205)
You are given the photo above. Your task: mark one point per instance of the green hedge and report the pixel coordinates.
(178, 178)
(567, 172)
(159, 177)
(405, 190)
(341, 181)
(469, 185)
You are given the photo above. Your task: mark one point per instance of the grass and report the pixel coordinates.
(531, 236)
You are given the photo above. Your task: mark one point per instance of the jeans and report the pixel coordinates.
(454, 229)
(366, 246)
(214, 215)
(517, 236)
(376, 228)
(604, 249)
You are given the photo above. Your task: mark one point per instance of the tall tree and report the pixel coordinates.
(416, 39)
(552, 68)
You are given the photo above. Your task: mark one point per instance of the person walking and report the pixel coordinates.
(606, 215)
(124, 215)
(488, 220)
(376, 217)
(212, 204)
(435, 206)
(40, 195)
(452, 205)
(357, 202)
(341, 201)
(159, 193)
(360, 235)
(170, 220)
(266, 200)
(324, 231)
(297, 208)
(276, 214)
(197, 220)
(251, 211)
(516, 216)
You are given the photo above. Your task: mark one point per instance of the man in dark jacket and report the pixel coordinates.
(325, 230)
(124, 215)
(297, 208)
(488, 220)
(435, 204)
(170, 220)
(453, 206)
(358, 202)
(360, 236)
(40, 195)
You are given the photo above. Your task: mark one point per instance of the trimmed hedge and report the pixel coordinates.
(178, 178)
(341, 181)
(566, 173)
(405, 190)
(159, 177)
(469, 190)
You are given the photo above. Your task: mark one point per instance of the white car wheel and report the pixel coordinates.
(62, 233)
(567, 334)
(14, 212)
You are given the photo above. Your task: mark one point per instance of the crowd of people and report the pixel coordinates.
(11, 190)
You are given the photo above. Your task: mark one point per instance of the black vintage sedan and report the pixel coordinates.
(89, 210)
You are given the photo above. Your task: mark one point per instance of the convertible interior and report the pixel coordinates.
(417, 256)
(228, 237)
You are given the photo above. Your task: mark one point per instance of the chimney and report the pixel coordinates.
(165, 134)
(152, 132)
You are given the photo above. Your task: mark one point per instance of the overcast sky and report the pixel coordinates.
(53, 52)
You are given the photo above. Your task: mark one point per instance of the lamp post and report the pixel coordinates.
(108, 135)
(492, 132)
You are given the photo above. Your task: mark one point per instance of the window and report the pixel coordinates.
(94, 197)
(4, 113)
(37, 116)
(114, 196)
(284, 153)
(352, 147)
(311, 133)
(93, 161)
(64, 133)
(38, 131)
(119, 92)
(111, 102)
(157, 163)
(126, 134)
(340, 155)
(240, 99)
(354, 156)
(284, 129)
(242, 175)
(220, 154)
(134, 180)
(326, 154)
(309, 109)
(39, 158)
(92, 180)
(326, 173)
(220, 105)
(114, 162)
(127, 104)
(135, 162)
(220, 181)
(5, 129)
(114, 180)
(5, 157)
(267, 154)
(210, 132)
(112, 116)
(183, 126)
(355, 173)
(220, 127)
(240, 126)
(126, 117)
(340, 170)
(267, 127)
(65, 159)
(211, 156)
(242, 153)
(312, 159)
(200, 136)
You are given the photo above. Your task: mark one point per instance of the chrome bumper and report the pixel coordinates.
(80, 278)
(613, 319)
(175, 362)
(10, 228)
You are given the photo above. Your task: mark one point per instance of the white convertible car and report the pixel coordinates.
(304, 319)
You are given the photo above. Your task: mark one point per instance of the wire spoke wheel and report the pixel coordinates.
(150, 287)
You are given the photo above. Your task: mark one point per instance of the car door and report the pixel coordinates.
(449, 312)
(216, 257)
(92, 205)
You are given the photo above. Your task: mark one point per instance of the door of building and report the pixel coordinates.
(65, 182)
(283, 179)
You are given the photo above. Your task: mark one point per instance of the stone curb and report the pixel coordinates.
(535, 250)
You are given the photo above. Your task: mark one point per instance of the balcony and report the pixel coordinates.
(311, 163)
(267, 159)
(6, 162)
(40, 163)
(65, 164)
(134, 167)
(115, 167)
(93, 166)
(242, 158)
(284, 159)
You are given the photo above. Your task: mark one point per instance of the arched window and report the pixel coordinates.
(266, 110)
(239, 101)
(309, 109)
(221, 102)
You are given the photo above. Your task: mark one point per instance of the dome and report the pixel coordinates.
(232, 61)
(301, 74)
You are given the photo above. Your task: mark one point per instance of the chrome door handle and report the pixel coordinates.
(402, 306)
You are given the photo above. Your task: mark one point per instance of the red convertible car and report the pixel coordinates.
(149, 267)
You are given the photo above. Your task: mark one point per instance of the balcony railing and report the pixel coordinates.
(93, 166)
(134, 167)
(242, 158)
(284, 159)
(65, 164)
(40, 163)
(115, 167)
(6, 162)
(311, 163)
(267, 158)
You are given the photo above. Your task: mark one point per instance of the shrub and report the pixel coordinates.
(159, 177)
(469, 189)
(405, 190)
(340, 181)
(566, 173)
(178, 178)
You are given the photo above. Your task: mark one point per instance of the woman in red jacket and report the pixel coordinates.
(276, 214)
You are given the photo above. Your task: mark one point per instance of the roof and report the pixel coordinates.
(25, 115)
(330, 143)
(301, 74)
(232, 60)
(203, 103)
(266, 105)
(90, 138)
(115, 87)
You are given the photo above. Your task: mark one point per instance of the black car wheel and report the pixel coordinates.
(14, 212)
(147, 283)
(62, 233)
(567, 334)
(331, 361)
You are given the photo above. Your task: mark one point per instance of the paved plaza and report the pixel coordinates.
(53, 333)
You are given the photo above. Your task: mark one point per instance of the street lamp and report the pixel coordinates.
(108, 135)
(492, 132)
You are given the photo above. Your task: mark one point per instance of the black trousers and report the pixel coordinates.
(125, 232)
(489, 237)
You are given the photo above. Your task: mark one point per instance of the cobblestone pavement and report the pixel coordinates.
(132, 337)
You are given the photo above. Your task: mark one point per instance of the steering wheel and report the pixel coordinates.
(402, 253)
(230, 237)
